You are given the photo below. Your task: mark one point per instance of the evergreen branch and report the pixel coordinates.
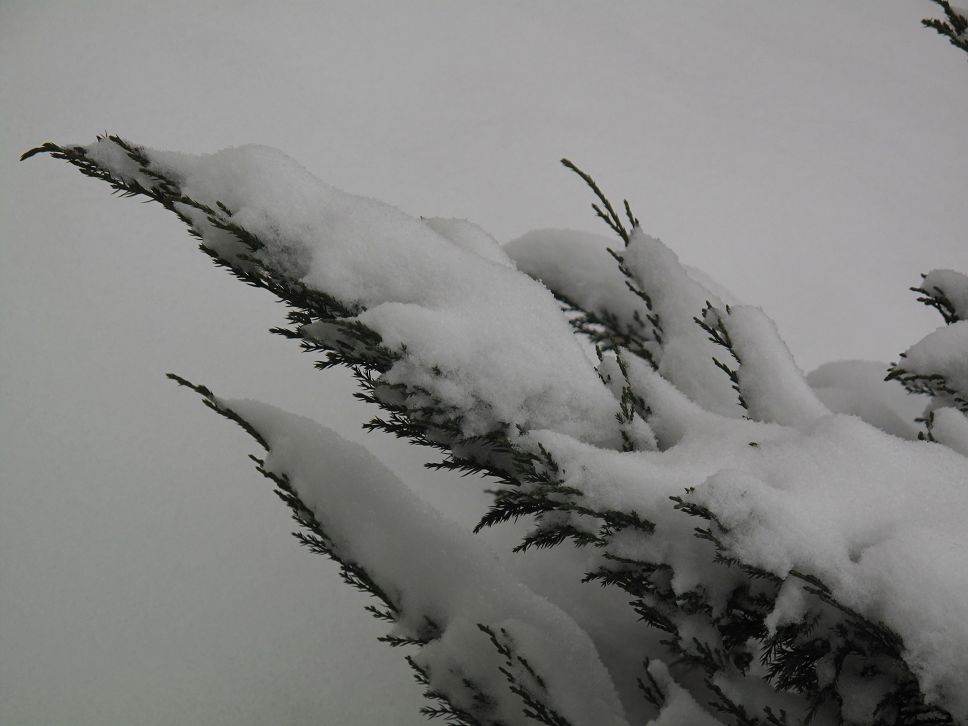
(711, 322)
(604, 330)
(651, 690)
(608, 215)
(314, 537)
(954, 27)
(632, 283)
(937, 299)
(534, 485)
(523, 679)
(631, 407)
(726, 706)
(443, 707)
(792, 655)
(930, 384)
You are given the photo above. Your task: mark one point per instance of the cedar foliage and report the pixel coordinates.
(735, 645)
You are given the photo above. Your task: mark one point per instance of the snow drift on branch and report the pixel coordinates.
(829, 559)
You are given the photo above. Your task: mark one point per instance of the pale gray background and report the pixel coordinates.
(810, 155)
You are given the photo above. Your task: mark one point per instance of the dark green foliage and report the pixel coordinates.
(931, 384)
(650, 688)
(954, 27)
(825, 637)
(523, 680)
(937, 299)
(603, 328)
(711, 322)
(606, 332)
(655, 332)
(935, 385)
(443, 708)
(312, 535)
(608, 215)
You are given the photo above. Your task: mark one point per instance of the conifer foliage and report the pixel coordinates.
(779, 562)
(954, 26)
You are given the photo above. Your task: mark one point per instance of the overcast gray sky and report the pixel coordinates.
(810, 156)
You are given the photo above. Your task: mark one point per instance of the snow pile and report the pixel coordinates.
(577, 265)
(578, 268)
(470, 237)
(949, 426)
(942, 353)
(478, 335)
(772, 387)
(435, 572)
(937, 365)
(677, 299)
(950, 286)
(879, 520)
(858, 388)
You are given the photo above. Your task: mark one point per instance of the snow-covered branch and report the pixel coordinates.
(793, 563)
